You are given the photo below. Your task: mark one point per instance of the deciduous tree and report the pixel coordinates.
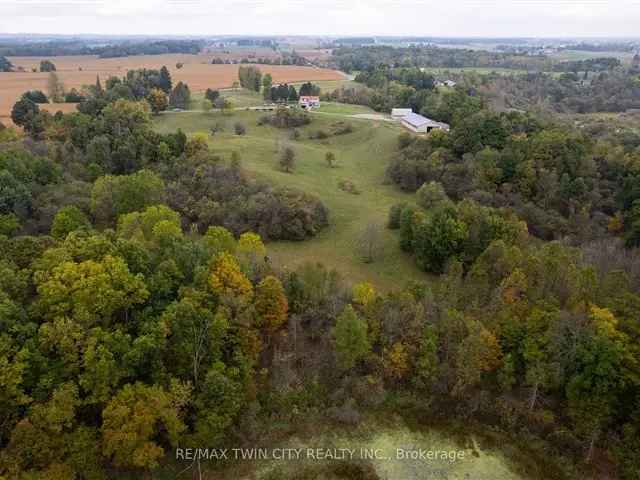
(288, 159)
(136, 422)
(158, 100)
(271, 304)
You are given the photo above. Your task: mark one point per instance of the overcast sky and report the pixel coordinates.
(493, 18)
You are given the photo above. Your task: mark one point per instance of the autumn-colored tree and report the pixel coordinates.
(157, 100)
(396, 361)
(50, 444)
(351, 338)
(251, 254)
(271, 304)
(479, 353)
(199, 142)
(227, 279)
(250, 244)
(136, 422)
(363, 293)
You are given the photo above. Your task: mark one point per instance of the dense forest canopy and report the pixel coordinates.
(369, 57)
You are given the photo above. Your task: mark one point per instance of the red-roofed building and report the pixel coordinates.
(307, 102)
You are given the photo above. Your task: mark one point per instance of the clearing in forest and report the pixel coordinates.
(361, 160)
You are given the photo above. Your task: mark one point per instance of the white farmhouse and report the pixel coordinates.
(419, 124)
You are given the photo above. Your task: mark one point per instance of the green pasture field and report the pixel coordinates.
(361, 157)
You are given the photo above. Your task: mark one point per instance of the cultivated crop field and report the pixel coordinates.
(197, 72)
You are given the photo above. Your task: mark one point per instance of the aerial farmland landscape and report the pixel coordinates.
(77, 71)
(290, 241)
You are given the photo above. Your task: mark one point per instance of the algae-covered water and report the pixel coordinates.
(391, 453)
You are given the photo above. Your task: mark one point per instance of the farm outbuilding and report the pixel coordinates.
(400, 112)
(419, 124)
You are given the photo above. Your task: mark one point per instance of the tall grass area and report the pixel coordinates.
(361, 158)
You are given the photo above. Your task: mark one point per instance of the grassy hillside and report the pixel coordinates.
(361, 157)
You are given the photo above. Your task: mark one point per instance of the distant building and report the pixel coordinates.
(308, 102)
(400, 112)
(446, 83)
(419, 124)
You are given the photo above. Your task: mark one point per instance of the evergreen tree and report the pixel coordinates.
(293, 94)
(351, 338)
(180, 96)
(164, 82)
(267, 83)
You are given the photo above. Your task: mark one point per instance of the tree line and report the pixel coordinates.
(118, 48)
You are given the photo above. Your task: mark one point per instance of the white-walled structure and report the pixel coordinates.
(400, 112)
(419, 124)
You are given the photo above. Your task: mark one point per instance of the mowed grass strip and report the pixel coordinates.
(361, 157)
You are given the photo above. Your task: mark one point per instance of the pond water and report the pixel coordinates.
(396, 453)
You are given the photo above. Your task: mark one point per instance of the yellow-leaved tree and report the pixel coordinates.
(271, 304)
(135, 423)
(227, 280)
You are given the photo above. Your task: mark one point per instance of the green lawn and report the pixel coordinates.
(362, 157)
(343, 108)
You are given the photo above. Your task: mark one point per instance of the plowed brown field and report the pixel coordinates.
(76, 71)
